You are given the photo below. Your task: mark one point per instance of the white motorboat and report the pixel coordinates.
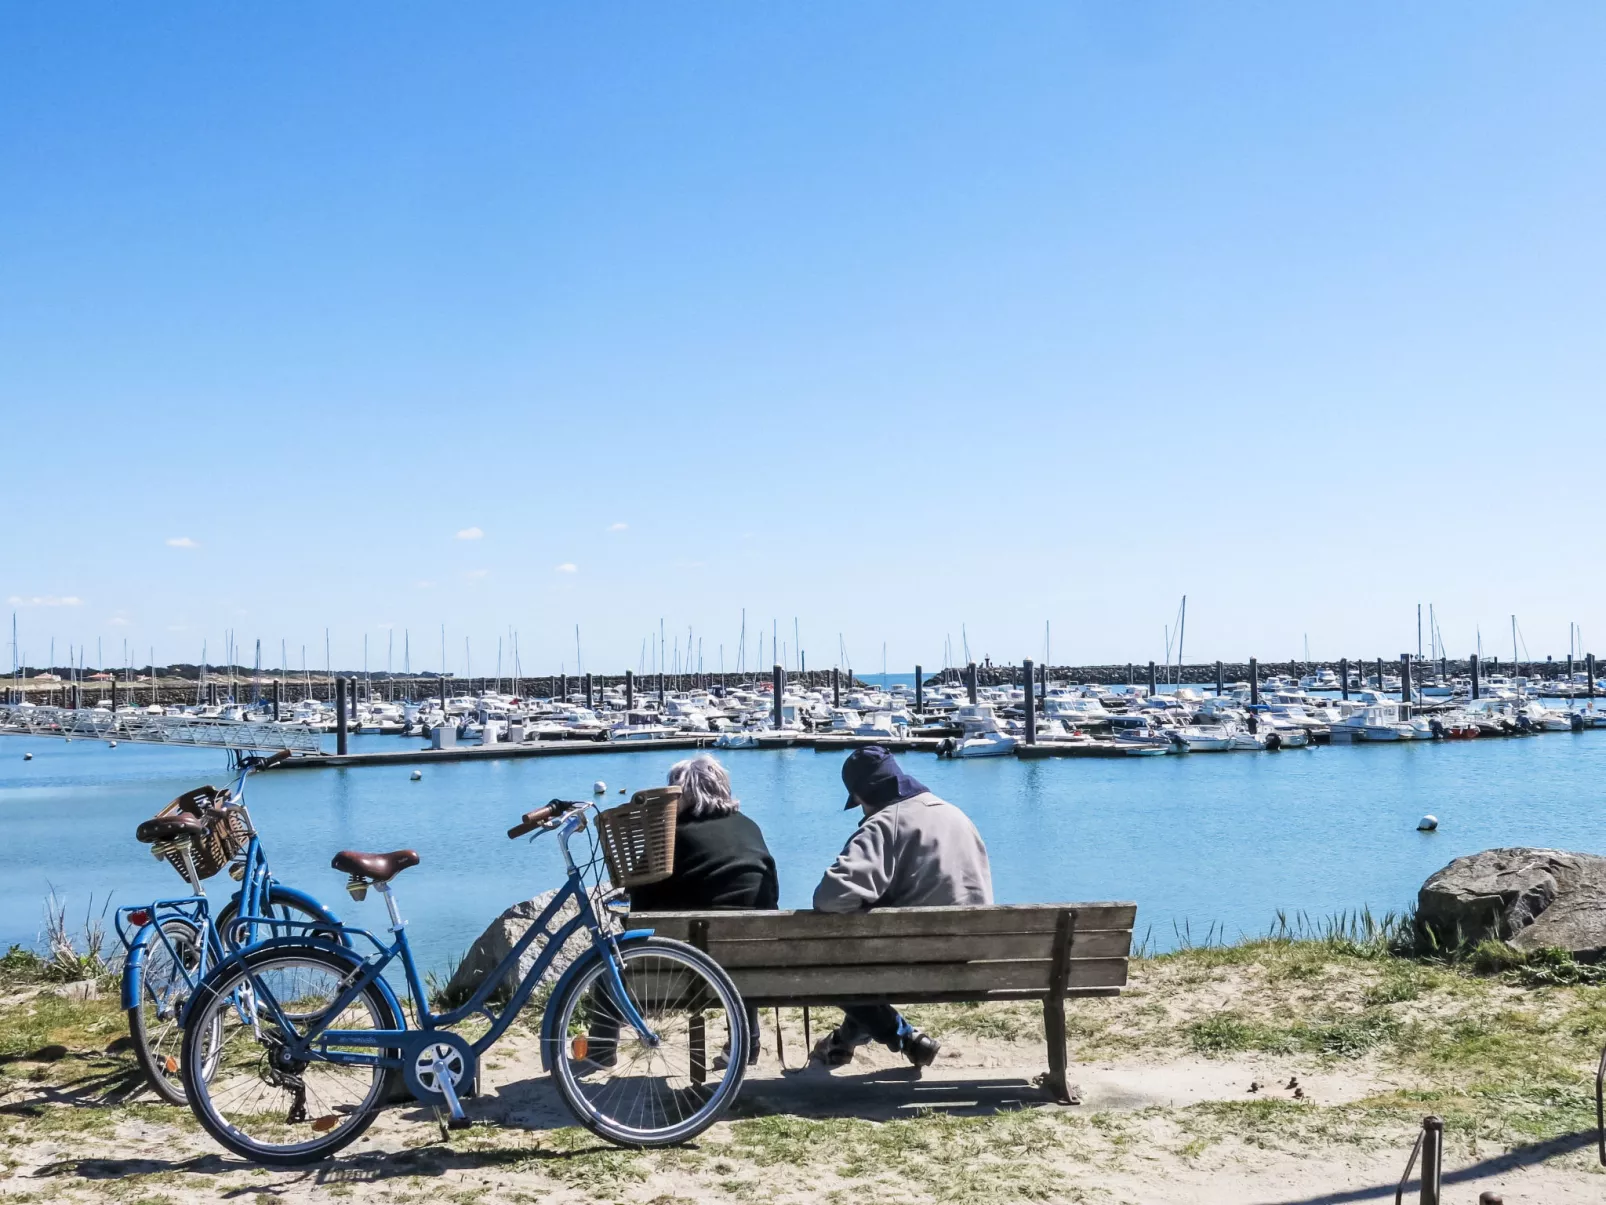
(1198, 738)
(987, 744)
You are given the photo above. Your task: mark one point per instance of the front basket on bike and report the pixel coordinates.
(638, 838)
(226, 831)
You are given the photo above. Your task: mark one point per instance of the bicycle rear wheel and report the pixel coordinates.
(166, 977)
(257, 1100)
(283, 916)
(640, 1091)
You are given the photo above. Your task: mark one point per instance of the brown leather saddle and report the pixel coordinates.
(177, 826)
(381, 868)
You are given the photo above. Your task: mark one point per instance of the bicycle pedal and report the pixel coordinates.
(458, 1123)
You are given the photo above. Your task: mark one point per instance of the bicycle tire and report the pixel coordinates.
(216, 998)
(704, 987)
(158, 1038)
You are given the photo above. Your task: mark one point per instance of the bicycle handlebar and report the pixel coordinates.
(541, 815)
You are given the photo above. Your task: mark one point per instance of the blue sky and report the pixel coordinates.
(891, 318)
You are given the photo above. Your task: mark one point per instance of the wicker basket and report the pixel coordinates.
(226, 832)
(638, 838)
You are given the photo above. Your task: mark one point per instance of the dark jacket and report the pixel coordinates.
(720, 862)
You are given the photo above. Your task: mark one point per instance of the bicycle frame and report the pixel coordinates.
(317, 1042)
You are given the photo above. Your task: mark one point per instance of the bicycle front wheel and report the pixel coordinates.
(671, 1083)
(243, 1085)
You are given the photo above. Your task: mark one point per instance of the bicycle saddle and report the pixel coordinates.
(381, 868)
(170, 828)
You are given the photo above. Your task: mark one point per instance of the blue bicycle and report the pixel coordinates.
(173, 943)
(290, 1046)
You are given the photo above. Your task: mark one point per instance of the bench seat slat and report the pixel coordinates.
(895, 922)
(834, 951)
(1026, 975)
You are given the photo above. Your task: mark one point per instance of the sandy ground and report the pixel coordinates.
(974, 1127)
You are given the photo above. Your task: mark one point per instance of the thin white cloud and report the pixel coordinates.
(117, 621)
(471, 533)
(619, 527)
(478, 573)
(181, 542)
(567, 567)
(45, 600)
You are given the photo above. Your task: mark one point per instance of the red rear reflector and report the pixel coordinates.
(140, 916)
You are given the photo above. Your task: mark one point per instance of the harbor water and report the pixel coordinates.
(1200, 841)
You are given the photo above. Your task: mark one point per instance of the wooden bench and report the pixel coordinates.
(921, 956)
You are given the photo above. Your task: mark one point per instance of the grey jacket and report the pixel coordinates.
(920, 850)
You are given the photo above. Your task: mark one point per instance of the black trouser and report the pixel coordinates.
(882, 1023)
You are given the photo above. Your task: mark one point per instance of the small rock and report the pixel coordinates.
(1256, 1086)
(1293, 1081)
(1299, 1094)
(84, 989)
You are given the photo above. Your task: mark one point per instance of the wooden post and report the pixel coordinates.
(1432, 1160)
(778, 685)
(1589, 668)
(1254, 683)
(1473, 660)
(1031, 705)
(278, 694)
(920, 690)
(1343, 674)
(588, 690)
(1153, 687)
(1405, 686)
(1380, 675)
(836, 687)
(630, 689)
(1569, 675)
(1054, 1011)
(970, 681)
(1219, 683)
(114, 695)
(340, 716)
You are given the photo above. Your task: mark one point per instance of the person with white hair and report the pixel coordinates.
(721, 861)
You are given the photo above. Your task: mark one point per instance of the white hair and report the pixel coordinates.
(705, 787)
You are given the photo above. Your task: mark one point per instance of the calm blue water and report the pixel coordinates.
(1208, 838)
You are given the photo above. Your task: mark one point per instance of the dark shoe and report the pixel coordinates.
(833, 1050)
(920, 1049)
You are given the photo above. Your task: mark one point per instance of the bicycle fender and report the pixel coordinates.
(311, 904)
(138, 949)
(275, 943)
(550, 1038)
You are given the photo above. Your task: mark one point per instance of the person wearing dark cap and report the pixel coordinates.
(911, 849)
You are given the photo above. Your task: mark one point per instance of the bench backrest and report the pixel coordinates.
(914, 955)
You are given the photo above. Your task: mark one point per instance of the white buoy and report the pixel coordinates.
(27, 757)
(417, 774)
(599, 787)
(112, 745)
(1427, 824)
(621, 790)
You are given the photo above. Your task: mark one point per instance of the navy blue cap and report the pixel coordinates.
(873, 775)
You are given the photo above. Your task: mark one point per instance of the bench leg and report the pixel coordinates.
(1056, 1082)
(699, 1049)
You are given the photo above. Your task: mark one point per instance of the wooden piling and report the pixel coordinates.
(278, 695)
(970, 681)
(1031, 708)
(630, 689)
(1405, 686)
(1254, 683)
(588, 692)
(1589, 668)
(340, 716)
(1153, 682)
(778, 685)
(836, 687)
(1343, 674)
(920, 690)
(1474, 662)
(1219, 683)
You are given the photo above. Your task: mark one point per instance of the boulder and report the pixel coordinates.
(1532, 898)
(498, 940)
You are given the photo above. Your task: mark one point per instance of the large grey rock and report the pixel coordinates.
(1533, 898)
(498, 940)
